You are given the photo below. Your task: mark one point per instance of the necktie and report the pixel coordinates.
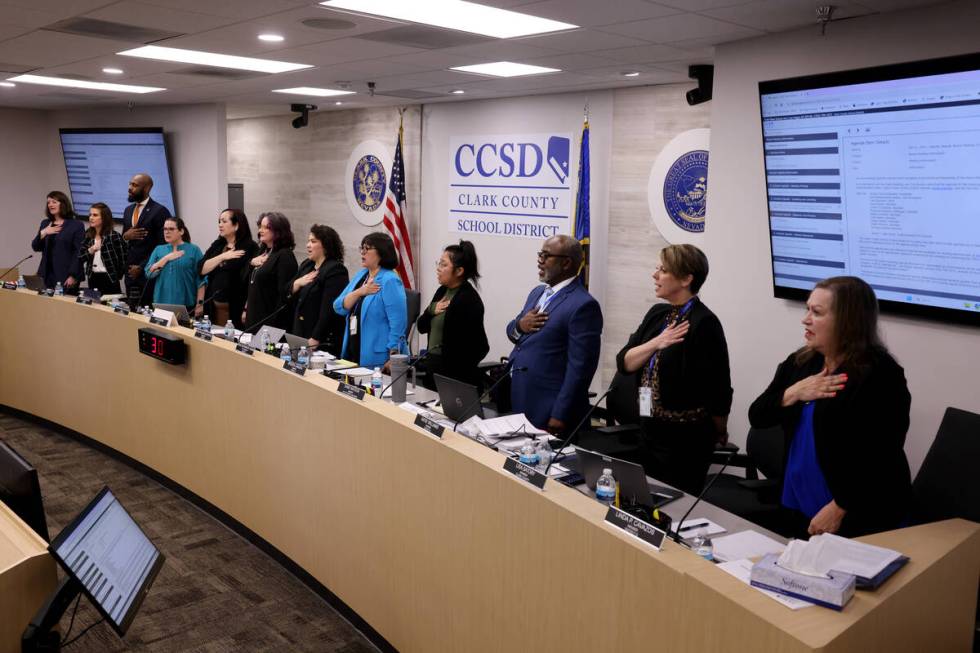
(545, 297)
(136, 214)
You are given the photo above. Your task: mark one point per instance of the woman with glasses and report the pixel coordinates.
(225, 264)
(454, 319)
(174, 265)
(679, 357)
(373, 304)
(320, 280)
(270, 274)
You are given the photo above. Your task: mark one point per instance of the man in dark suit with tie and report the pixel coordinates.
(143, 231)
(556, 337)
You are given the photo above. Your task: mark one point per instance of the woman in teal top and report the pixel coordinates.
(174, 265)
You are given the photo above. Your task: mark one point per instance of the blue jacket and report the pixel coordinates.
(384, 318)
(561, 358)
(59, 253)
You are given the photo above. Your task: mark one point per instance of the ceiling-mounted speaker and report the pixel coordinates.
(705, 76)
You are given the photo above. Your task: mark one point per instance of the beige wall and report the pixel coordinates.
(23, 183)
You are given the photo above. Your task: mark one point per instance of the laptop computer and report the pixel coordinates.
(179, 311)
(34, 282)
(460, 401)
(295, 342)
(633, 485)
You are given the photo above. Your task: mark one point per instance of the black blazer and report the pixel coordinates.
(151, 218)
(464, 340)
(859, 437)
(229, 281)
(313, 314)
(113, 255)
(59, 252)
(695, 372)
(268, 289)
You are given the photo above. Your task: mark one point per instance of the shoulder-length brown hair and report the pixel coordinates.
(855, 311)
(282, 232)
(67, 212)
(107, 226)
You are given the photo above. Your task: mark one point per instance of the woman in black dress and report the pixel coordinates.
(103, 251)
(320, 279)
(843, 403)
(225, 264)
(59, 239)
(680, 357)
(270, 274)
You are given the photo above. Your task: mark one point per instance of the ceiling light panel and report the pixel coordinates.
(200, 58)
(311, 90)
(91, 86)
(506, 69)
(455, 14)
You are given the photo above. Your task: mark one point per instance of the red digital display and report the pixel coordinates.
(164, 347)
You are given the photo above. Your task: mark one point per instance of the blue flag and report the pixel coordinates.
(583, 225)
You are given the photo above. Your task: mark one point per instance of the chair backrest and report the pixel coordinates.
(766, 447)
(621, 404)
(413, 306)
(946, 485)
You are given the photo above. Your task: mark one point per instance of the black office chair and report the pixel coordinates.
(413, 307)
(621, 436)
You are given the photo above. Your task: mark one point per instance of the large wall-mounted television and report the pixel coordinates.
(876, 173)
(100, 163)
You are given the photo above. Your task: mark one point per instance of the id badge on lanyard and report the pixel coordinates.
(352, 327)
(646, 401)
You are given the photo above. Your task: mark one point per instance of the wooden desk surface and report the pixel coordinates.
(429, 540)
(27, 576)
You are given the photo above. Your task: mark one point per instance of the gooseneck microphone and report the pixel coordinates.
(409, 368)
(266, 318)
(677, 532)
(474, 404)
(12, 267)
(592, 408)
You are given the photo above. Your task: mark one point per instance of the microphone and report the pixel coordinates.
(11, 268)
(266, 318)
(409, 368)
(677, 533)
(612, 386)
(510, 370)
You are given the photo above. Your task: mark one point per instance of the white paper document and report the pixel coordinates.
(828, 552)
(746, 544)
(507, 425)
(742, 570)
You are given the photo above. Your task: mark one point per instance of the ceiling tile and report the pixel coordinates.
(237, 9)
(342, 50)
(163, 18)
(700, 5)
(570, 62)
(582, 40)
(587, 13)
(644, 54)
(42, 48)
(678, 28)
(778, 15)
(29, 17)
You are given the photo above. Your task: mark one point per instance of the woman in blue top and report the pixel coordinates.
(843, 403)
(374, 305)
(174, 267)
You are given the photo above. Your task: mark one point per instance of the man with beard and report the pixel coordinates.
(556, 337)
(143, 231)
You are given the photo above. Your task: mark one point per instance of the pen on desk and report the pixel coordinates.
(692, 526)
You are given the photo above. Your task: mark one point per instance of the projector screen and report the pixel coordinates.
(100, 163)
(875, 173)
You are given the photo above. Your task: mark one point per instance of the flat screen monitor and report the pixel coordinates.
(111, 557)
(100, 163)
(875, 173)
(20, 489)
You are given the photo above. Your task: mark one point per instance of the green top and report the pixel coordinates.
(438, 321)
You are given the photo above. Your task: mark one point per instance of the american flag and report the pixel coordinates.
(394, 219)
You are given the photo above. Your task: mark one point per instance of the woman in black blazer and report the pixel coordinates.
(225, 264)
(454, 319)
(271, 273)
(320, 279)
(843, 403)
(103, 251)
(59, 239)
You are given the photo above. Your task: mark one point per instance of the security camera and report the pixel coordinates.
(304, 110)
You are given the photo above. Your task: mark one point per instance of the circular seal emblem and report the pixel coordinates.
(370, 182)
(686, 190)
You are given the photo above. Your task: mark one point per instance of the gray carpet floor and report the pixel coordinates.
(215, 593)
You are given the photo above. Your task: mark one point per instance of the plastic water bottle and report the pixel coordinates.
(146, 310)
(20, 282)
(377, 383)
(303, 357)
(605, 487)
(206, 324)
(529, 454)
(229, 330)
(545, 453)
(285, 354)
(264, 339)
(59, 289)
(701, 544)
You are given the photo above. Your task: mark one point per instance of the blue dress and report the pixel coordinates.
(804, 486)
(178, 281)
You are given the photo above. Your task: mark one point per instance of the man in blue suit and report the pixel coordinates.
(556, 337)
(143, 231)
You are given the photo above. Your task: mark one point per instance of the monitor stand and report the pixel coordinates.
(40, 636)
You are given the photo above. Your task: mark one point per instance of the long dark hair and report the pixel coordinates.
(855, 311)
(67, 212)
(463, 256)
(333, 246)
(282, 231)
(244, 232)
(181, 227)
(106, 227)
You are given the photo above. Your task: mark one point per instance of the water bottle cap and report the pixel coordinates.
(607, 471)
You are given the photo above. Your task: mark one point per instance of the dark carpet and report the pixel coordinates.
(216, 591)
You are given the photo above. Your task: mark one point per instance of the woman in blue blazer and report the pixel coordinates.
(374, 305)
(59, 239)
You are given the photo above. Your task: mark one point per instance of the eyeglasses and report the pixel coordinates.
(367, 248)
(544, 256)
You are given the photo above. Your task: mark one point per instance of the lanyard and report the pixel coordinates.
(685, 309)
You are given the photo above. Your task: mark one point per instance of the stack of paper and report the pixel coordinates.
(747, 544)
(825, 553)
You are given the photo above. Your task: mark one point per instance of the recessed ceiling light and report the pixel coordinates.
(272, 38)
(113, 71)
(457, 91)
(630, 73)
(212, 59)
(505, 69)
(455, 14)
(7, 84)
(337, 103)
(92, 86)
(311, 90)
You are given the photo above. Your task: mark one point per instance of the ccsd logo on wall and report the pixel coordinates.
(511, 185)
(366, 181)
(678, 188)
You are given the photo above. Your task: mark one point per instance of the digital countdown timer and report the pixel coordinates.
(162, 346)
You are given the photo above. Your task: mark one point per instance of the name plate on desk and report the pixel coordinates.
(10, 285)
(120, 310)
(80, 299)
(202, 334)
(47, 291)
(245, 349)
(159, 321)
(636, 527)
(295, 368)
(525, 473)
(429, 425)
(352, 391)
